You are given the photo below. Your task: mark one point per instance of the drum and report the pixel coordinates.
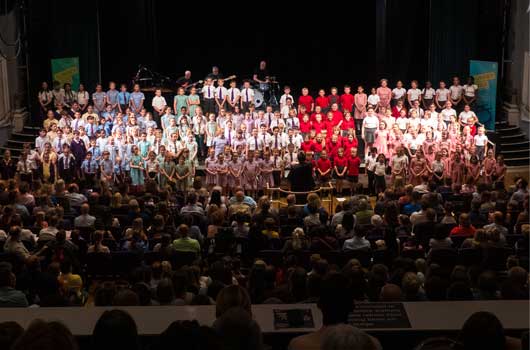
(258, 98)
(264, 86)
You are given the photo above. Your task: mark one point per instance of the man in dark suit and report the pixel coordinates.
(301, 178)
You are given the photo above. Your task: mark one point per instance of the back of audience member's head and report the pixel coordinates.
(232, 296)
(487, 283)
(9, 333)
(459, 291)
(126, 297)
(335, 300)
(115, 329)
(188, 335)
(390, 292)
(344, 336)
(104, 295)
(436, 288)
(482, 330)
(238, 330)
(410, 285)
(41, 335)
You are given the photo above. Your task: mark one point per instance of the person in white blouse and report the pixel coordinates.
(398, 93)
(45, 99)
(427, 95)
(456, 92)
(464, 116)
(470, 91)
(413, 94)
(442, 95)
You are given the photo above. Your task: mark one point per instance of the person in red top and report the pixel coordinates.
(318, 124)
(334, 97)
(396, 110)
(347, 124)
(347, 99)
(354, 162)
(332, 147)
(301, 111)
(329, 123)
(318, 146)
(323, 167)
(337, 114)
(322, 100)
(305, 125)
(464, 228)
(306, 100)
(350, 142)
(340, 167)
(318, 110)
(307, 145)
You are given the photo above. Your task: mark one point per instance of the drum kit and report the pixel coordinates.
(261, 90)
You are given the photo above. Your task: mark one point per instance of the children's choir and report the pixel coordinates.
(411, 136)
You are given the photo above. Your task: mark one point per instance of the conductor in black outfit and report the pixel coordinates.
(301, 178)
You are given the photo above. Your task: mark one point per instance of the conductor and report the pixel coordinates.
(301, 177)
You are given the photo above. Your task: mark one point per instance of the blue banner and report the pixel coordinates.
(485, 74)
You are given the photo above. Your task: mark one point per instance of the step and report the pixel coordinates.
(14, 151)
(16, 143)
(514, 136)
(516, 153)
(510, 130)
(31, 129)
(517, 161)
(21, 135)
(518, 144)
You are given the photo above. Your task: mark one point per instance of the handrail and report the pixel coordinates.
(279, 190)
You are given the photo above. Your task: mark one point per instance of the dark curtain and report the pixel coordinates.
(407, 40)
(462, 31)
(59, 28)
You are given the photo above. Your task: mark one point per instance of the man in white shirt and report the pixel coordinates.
(84, 220)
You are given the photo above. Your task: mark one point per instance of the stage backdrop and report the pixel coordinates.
(66, 70)
(485, 74)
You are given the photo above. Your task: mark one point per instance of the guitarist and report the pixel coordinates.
(215, 74)
(184, 81)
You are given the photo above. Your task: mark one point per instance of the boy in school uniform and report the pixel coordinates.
(247, 97)
(208, 96)
(159, 105)
(123, 99)
(220, 95)
(233, 96)
(347, 99)
(285, 96)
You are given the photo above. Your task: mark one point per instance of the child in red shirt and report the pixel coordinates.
(340, 167)
(350, 142)
(322, 101)
(330, 123)
(347, 99)
(332, 146)
(323, 167)
(307, 145)
(318, 146)
(347, 124)
(354, 162)
(306, 100)
(334, 97)
(305, 124)
(318, 110)
(318, 124)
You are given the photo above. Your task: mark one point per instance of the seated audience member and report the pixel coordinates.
(41, 335)
(9, 296)
(464, 228)
(84, 220)
(184, 243)
(115, 329)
